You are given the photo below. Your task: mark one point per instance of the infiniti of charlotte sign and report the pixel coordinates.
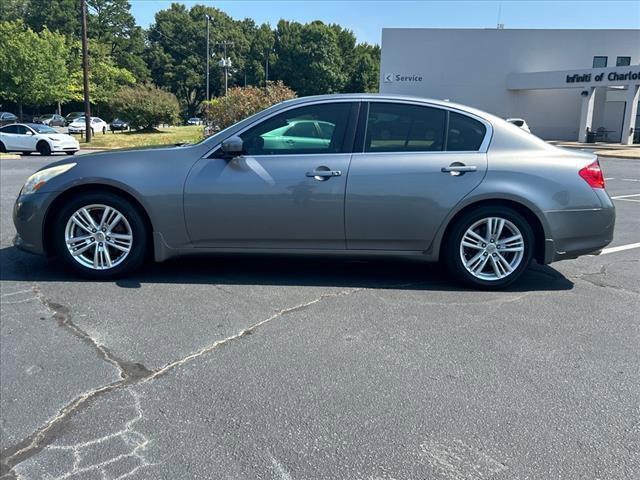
(400, 77)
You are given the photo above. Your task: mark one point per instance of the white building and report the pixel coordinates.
(562, 82)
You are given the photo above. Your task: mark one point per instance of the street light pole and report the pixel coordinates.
(85, 72)
(208, 19)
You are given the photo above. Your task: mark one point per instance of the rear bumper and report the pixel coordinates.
(578, 232)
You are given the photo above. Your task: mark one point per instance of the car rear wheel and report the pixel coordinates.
(489, 247)
(43, 148)
(101, 236)
(3, 149)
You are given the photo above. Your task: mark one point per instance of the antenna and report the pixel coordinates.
(500, 26)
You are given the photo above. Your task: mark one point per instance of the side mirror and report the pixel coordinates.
(232, 147)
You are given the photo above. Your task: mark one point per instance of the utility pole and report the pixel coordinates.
(85, 72)
(208, 20)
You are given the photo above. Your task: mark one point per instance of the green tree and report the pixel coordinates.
(34, 69)
(146, 106)
(364, 69)
(105, 77)
(311, 57)
(110, 23)
(62, 16)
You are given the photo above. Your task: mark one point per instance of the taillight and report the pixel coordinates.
(592, 174)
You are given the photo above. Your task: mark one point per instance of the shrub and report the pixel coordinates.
(145, 106)
(242, 102)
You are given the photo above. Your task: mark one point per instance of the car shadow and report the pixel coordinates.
(379, 273)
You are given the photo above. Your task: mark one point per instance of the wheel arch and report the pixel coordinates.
(527, 212)
(50, 214)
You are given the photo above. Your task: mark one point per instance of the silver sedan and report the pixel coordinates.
(334, 175)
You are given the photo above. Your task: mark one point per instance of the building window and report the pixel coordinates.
(599, 62)
(623, 61)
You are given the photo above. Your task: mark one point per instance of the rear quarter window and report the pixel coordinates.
(465, 134)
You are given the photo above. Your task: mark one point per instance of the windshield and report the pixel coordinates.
(43, 129)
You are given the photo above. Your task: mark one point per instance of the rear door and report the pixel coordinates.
(415, 163)
(10, 138)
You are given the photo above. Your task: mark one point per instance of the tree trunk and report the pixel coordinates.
(20, 110)
(59, 108)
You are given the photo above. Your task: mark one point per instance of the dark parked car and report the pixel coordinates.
(51, 119)
(7, 117)
(118, 124)
(71, 117)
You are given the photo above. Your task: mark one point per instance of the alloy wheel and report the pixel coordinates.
(98, 237)
(492, 248)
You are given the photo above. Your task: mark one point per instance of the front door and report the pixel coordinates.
(285, 191)
(417, 163)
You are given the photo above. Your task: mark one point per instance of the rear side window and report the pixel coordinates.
(465, 134)
(396, 127)
(9, 129)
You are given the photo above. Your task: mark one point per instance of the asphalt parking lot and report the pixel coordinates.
(276, 368)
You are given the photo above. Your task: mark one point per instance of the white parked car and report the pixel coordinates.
(520, 122)
(194, 121)
(35, 137)
(97, 125)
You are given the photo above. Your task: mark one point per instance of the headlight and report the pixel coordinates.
(36, 181)
(54, 139)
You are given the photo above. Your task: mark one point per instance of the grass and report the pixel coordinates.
(133, 139)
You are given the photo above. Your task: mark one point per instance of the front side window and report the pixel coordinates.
(296, 131)
(599, 62)
(22, 130)
(623, 61)
(396, 127)
(465, 134)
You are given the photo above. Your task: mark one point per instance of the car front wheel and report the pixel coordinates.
(43, 148)
(489, 247)
(101, 235)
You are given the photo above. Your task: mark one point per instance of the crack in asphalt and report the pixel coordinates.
(128, 370)
(46, 434)
(597, 278)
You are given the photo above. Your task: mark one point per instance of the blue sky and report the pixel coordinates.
(367, 18)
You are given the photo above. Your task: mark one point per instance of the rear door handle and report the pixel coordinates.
(323, 174)
(459, 168)
(456, 169)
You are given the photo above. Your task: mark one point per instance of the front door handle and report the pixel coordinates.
(458, 168)
(323, 173)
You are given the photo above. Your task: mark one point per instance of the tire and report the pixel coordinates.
(489, 262)
(3, 149)
(125, 257)
(104, 130)
(43, 148)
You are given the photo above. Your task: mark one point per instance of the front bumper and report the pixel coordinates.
(28, 217)
(69, 147)
(579, 232)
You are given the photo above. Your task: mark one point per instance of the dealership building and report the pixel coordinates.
(563, 83)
